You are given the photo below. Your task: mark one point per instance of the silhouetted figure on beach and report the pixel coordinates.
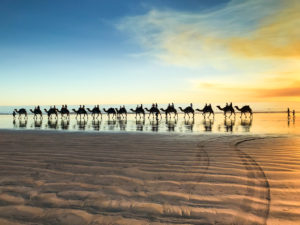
(14, 114)
(288, 112)
(294, 113)
(188, 110)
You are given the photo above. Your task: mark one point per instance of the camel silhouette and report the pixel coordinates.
(122, 112)
(244, 110)
(37, 111)
(95, 111)
(187, 111)
(51, 112)
(64, 112)
(207, 109)
(110, 111)
(21, 112)
(168, 111)
(154, 111)
(227, 109)
(81, 111)
(139, 111)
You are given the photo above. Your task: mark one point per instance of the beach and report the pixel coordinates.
(136, 178)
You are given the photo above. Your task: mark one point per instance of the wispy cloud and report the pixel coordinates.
(240, 46)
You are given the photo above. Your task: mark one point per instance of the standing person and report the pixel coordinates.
(14, 114)
(288, 112)
(294, 113)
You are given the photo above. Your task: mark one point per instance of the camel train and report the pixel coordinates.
(139, 111)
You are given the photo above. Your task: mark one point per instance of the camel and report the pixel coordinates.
(37, 111)
(21, 112)
(206, 109)
(187, 111)
(95, 111)
(121, 112)
(51, 111)
(64, 112)
(81, 111)
(227, 109)
(110, 111)
(153, 111)
(138, 111)
(244, 110)
(168, 111)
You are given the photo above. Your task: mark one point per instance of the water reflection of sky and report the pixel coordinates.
(276, 123)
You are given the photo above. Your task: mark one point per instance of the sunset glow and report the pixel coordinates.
(209, 51)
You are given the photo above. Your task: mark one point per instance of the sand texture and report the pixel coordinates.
(80, 178)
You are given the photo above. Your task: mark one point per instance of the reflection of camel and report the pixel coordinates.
(122, 124)
(140, 124)
(65, 124)
(154, 111)
(111, 124)
(38, 123)
(227, 109)
(169, 111)
(154, 125)
(53, 124)
(171, 124)
(208, 124)
(81, 124)
(23, 123)
(110, 111)
(139, 111)
(81, 111)
(50, 112)
(95, 111)
(189, 124)
(206, 109)
(121, 112)
(21, 112)
(229, 124)
(187, 111)
(244, 110)
(246, 124)
(36, 112)
(96, 124)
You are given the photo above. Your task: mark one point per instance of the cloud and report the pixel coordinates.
(249, 48)
(253, 28)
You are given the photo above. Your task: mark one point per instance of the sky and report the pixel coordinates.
(115, 51)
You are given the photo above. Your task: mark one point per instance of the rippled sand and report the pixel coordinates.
(81, 178)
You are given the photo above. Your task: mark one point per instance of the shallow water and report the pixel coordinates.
(261, 123)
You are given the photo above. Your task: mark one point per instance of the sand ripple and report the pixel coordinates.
(65, 178)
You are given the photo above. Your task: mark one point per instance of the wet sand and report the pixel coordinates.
(113, 178)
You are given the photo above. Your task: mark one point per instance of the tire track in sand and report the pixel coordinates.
(257, 184)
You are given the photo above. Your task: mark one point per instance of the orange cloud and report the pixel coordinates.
(276, 36)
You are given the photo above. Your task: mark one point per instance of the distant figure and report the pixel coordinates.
(14, 114)
(294, 113)
(288, 112)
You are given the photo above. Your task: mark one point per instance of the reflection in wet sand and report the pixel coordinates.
(270, 123)
(208, 123)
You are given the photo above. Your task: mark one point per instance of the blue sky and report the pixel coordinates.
(52, 52)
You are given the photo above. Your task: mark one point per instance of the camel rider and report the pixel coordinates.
(156, 105)
(191, 105)
(172, 105)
